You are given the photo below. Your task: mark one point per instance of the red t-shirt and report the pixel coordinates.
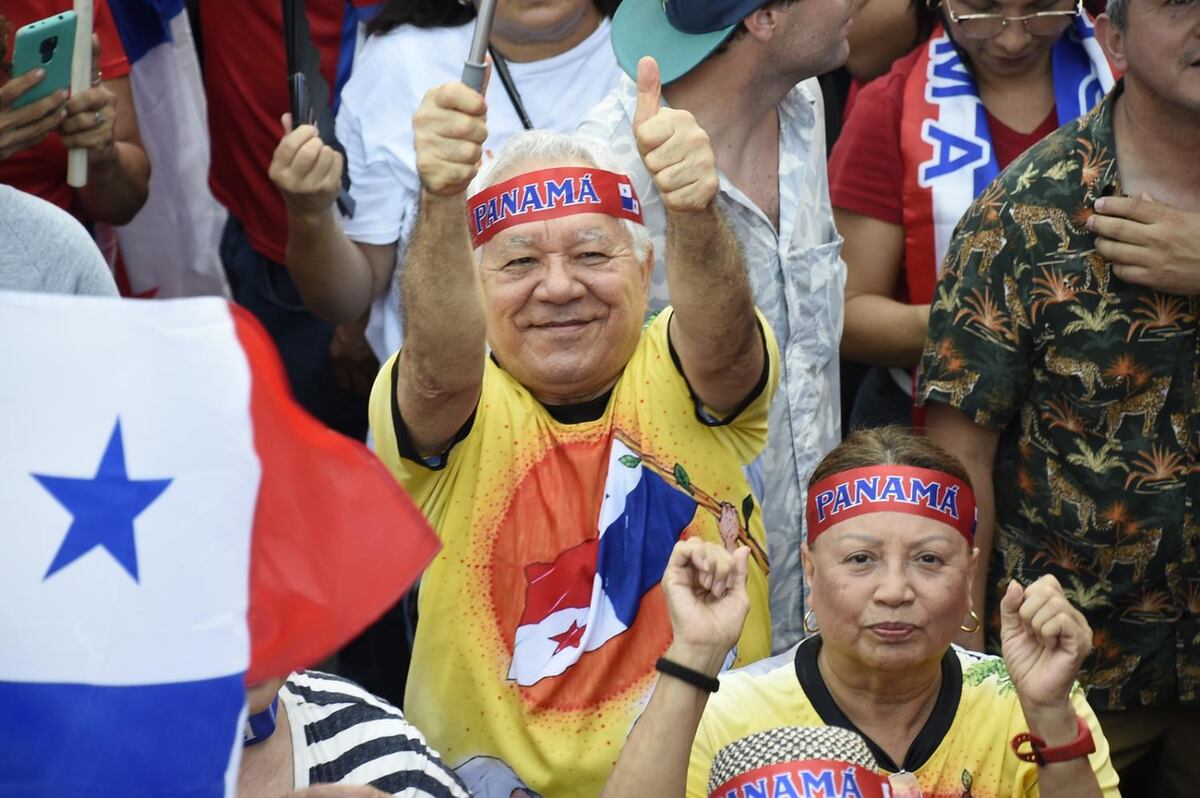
(866, 171)
(246, 80)
(42, 170)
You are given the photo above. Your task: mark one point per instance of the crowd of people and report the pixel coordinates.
(594, 317)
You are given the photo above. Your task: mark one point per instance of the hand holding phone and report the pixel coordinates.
(303, 112)
(49, 45)
(306, 171)
(26, 127)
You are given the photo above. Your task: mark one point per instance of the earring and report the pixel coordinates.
(809, 627)
(974, 628)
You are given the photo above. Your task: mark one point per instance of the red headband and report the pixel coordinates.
(549, 194)
(807, 777)
(891, 488)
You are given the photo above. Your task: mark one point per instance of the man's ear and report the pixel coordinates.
(1113, 41)
(762, 24)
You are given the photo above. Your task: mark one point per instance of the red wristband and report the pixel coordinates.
(1082, 745)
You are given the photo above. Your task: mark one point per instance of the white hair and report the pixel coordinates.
(546, 146)
(1118, 12)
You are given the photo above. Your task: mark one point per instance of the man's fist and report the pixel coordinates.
(705, 586)
(675, 149)
(306, 170)
(449, 129)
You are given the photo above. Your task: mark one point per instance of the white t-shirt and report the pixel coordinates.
(374, 124)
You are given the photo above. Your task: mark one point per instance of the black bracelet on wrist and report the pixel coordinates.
(709, 684)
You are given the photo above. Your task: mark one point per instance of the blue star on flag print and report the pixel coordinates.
(104, 508)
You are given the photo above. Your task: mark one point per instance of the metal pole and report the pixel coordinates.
(473, 69)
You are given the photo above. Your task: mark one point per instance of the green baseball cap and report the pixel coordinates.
(679, 34)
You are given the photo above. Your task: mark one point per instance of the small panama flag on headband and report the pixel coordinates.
(549, 194)
(891, 488)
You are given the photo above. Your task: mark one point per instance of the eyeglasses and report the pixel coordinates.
(989, 26)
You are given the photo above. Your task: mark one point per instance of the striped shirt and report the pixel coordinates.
(342, 734)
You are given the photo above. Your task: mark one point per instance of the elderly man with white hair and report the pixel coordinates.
(559, 446)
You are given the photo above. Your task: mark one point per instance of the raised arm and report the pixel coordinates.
(441, 363)
(706, 595)
(714, 330)
(975, 446)
(1045, 640)
(338, 278)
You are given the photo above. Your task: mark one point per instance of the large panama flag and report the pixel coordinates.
(172, 525)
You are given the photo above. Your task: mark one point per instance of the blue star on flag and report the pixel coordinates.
(103, 507)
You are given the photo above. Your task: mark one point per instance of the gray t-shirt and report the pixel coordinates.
(43, 248)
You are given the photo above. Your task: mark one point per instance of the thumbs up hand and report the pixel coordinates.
(674, 147)
(449, 129)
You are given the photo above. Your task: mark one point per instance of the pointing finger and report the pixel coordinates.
(649, 89)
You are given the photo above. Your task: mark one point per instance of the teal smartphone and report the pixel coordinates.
(48, 43)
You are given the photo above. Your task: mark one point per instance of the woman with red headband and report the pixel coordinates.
(889, 560)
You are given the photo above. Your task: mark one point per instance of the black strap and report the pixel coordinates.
(303, 57)
(709, 684)
(510, 88)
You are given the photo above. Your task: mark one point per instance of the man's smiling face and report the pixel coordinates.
(565, 302)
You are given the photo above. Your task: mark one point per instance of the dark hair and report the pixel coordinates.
(1118, 12)
(890, 445)
(441, 14)
(927, 17)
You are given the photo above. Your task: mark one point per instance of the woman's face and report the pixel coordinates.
(890, 590)
(541, 21)
(1014, 53)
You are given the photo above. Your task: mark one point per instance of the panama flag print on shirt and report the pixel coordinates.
(172, 525)
(592, 591)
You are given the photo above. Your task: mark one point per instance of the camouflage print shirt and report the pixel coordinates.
(1093, 383)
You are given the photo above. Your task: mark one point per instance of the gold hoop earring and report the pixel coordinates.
(974, 628)
(808, 627)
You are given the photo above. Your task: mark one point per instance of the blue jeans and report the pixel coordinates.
(265, 288)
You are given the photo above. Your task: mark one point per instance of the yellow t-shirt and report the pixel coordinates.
(542, 617)
(963, 750)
